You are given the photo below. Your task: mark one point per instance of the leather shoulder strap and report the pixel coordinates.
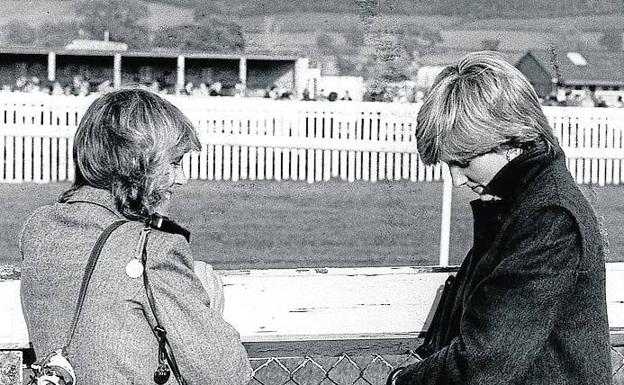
(165, 350)
(95, 254)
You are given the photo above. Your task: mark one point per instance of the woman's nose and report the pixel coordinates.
(459, 179)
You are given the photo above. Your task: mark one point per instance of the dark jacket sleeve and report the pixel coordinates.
(208, 349)
(510, 313)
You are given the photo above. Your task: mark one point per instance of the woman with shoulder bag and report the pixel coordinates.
(144, 315)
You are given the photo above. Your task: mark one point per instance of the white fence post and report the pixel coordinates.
(445, 225)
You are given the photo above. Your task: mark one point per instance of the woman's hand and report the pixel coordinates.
(212, 284)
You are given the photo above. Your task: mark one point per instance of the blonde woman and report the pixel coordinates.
(127, 153)
(528, 303)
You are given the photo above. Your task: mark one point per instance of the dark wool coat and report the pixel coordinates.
(528, 305)
(114, 342)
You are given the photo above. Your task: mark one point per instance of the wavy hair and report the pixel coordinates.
(477, 106)
(125, 144)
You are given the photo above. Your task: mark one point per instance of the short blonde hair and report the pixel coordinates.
(478, 106)
(125, 144)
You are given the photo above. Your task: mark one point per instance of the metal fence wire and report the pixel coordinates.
(617, 362)
(349, 369)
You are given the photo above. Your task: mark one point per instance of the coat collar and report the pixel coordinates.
(104, 199)
(513, 178)
(96, 196)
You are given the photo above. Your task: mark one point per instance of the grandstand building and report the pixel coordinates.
(171, 69)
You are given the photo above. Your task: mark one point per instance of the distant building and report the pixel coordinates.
(426, 76)
(598, 71)
(96, 45)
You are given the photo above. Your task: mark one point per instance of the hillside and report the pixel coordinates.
(304, 15)
(164, 13)
(468, 8)
(294, 26)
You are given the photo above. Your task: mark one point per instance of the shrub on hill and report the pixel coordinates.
(211, 35)
(56, 34)
(18, 33)
(123, 19)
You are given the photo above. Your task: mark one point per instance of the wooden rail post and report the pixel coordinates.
(51, 66)
(117, 71)
(445, 226)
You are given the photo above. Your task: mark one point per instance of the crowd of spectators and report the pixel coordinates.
(81, 87)
(403, 92)
(566, 97)
(77, 87)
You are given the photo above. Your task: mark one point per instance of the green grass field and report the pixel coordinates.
(267, 224)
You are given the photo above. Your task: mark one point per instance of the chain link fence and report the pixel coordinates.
(287, 368)
(356, 369)
(617, 362)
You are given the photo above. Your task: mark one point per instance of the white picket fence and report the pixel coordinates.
(258, 139)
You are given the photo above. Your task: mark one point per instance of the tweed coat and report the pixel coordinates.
(114, 342)
(528, 305)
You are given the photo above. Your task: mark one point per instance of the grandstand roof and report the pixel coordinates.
(155, 53)
(598, 68)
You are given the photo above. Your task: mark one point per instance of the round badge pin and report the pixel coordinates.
(134, 268)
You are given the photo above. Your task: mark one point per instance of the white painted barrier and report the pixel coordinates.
(320, 304)
(246, 138)
(318, 325)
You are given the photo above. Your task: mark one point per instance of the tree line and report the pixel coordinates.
(124, 21)
(464, 8)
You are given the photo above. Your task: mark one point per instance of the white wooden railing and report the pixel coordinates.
(260, 139)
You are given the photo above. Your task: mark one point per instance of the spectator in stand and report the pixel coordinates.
(306, 94)
(57, 89)
(550, 100)
(619, 103)
(588, 99)
(419, 97)
(600, 102)
(321, 96)
(271, 92)
(215, 89)
(76, 84)
(239, 88)
(104, 87)
(573, 99)
(346, 96)
(188, 88)
(32, 85)
(203, 89)
(84, 89)
(20, 83)
(332, 97)
(45, 87)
